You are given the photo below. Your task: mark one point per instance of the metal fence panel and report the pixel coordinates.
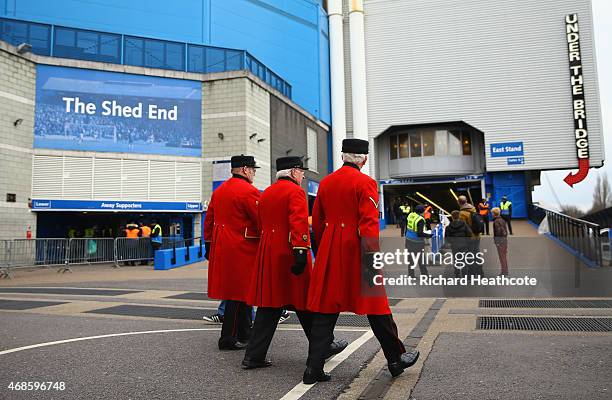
(128, 249)
(90, 251)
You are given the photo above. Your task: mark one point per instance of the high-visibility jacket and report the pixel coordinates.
(156, 234)
(405, 209)
(483, 209)
(132, 232)
(505, 207)
(427, 213)
(146, 231)
(413, 222)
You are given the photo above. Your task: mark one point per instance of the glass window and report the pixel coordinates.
(134, 54)
(428, 142)
(311, 149)
(403, 145)
(466, 144)
(415, 144)
(441, 143)
(65, 37)
(154, 54)
(196, 59)
(454, 142)
(175, 57)
(87, 42)
(215, 60)
(14, 32)
(39, 39)
(234, 60)
(393, 147)
(110, 45)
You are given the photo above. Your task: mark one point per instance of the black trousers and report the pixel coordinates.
(485, 221)
(266, 321)
(417, 247)
(508, 220)
(236, 323)
(402, 224)
(322, 335)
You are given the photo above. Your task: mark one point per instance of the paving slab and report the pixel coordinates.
(516, 366)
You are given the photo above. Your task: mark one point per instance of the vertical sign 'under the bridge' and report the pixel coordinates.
(581, 135)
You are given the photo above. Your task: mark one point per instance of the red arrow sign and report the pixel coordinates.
(583, 171)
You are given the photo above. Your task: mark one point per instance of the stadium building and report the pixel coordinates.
(112, 114)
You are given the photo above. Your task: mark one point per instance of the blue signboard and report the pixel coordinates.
(510, 149)
(116, 206)
(516, 160)
(80, 109)
(313, 188)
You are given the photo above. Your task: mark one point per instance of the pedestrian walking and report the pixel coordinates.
(506, 211)
(231, 238)
(346, 226)
(416, 233)
(483, 210)
(467, 213)
(282, 267)
(459, 235)
(500, 237)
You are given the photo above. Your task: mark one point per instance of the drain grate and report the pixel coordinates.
(544, 324)
(190, 296)
(70, 291)
(26, 305)
(545, 303)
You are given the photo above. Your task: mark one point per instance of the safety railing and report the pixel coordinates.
(27, 253)
(109, 47)
(187, 244)
(581, 236)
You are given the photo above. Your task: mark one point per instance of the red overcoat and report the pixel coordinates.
(231, 227)
(345, 224)
(283, 219)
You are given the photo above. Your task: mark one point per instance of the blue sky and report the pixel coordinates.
(581, 195)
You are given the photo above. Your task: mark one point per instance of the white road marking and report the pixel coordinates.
(46, 344)
(34, 346)
(300, 389)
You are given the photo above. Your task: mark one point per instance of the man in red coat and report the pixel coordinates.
(346, 229)
(231, 238)
(283, 262)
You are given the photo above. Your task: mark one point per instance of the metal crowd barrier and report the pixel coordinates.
(128, 250)
(27, 253)
(582, 236)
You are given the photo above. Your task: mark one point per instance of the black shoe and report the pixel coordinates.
(312, 376)
(234, 346)
(336, 347)
(247, 363)
(406, 360)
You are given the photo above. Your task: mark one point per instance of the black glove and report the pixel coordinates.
(369, 272)
(301, 258)
(207, 247)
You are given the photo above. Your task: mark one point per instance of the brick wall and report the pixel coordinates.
(17, 91)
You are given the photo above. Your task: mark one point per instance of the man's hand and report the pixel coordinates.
(301, 258)
(207, 247)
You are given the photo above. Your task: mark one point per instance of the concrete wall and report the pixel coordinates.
(17, 87)
(288, 131)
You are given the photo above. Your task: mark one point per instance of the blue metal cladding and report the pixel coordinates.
(285, 42)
